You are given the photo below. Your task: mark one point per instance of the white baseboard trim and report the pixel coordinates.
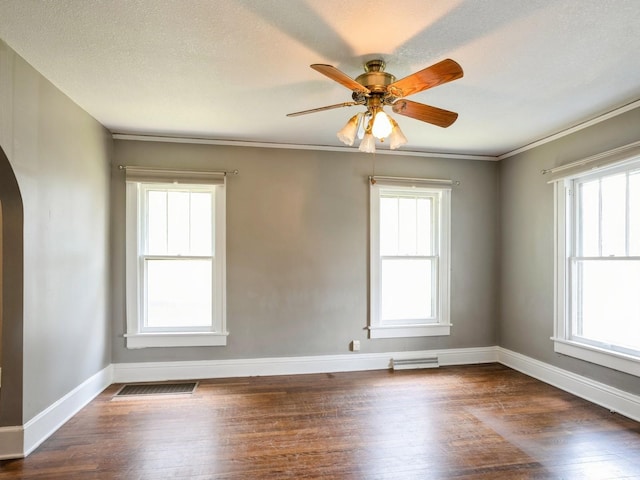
(616, 400)
(161, 371)
(43, 425)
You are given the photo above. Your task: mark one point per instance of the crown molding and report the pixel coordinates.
(406, 153)
(292, 146)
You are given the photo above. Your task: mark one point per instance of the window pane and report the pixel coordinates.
(157, 222)
(201, 223)
(589, 235)
(178, 223)
(179, 293)
(388, 226)
(634, 214)
(423, 229)
(608, 307)
(407, 289)
(614, 190)
(407, 226)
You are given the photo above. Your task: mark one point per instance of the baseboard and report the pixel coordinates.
(160, 371)
(616, 400)
(43, 425)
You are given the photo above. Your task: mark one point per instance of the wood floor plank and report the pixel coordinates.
(472, 422)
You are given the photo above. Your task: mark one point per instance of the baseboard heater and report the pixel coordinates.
(411, 363)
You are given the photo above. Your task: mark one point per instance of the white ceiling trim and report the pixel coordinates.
(328, 148)
(289, 146)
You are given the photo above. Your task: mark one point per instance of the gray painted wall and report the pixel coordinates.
(297, 257)
(297, 245)
(60, 156)
(526, 277)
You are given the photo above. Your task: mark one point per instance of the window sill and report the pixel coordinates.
(398, 331)
(599, 356)
(175, 339)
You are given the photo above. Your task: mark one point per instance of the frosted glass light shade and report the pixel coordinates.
(347, 134)
(381, 125)
(362, 125)
(397, 138)
(368, 144)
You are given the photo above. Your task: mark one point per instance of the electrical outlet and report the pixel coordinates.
(355, 345)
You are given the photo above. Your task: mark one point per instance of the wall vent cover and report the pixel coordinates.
(146, 389)
(413, 363)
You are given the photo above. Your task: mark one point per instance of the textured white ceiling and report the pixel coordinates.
(232, 69)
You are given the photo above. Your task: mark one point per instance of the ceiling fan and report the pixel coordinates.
(376, 88)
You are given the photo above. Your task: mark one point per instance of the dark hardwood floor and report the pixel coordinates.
(472, 422)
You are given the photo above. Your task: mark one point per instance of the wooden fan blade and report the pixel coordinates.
(342, 78)
(437, 74)
(426, 113)
(321, 109)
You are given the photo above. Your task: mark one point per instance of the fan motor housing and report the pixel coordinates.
(375, 78)
(376, 81)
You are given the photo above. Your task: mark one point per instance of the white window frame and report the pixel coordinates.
(564, 179)
(440, 325)
(139, 180)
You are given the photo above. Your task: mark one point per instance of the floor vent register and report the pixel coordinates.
(146, 389)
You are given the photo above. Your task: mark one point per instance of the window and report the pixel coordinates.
(598, 266)
(409, 258)
(175, 259)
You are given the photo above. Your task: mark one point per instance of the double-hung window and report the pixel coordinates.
(409, 245)
(598, 266)
(175, 258)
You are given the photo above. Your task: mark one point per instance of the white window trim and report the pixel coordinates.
(442, 326)
(563, 225)
(175, 339)
(134, 336)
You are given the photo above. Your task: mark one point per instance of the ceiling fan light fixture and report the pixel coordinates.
(368, 144)
(396, 138)
(347, 134)
(376, 88)
(382, 126)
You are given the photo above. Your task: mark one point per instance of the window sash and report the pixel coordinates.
(605, 301)
(431, 296)
(630, 206)
(430, 239)
(607, 253)
(144, 189)
(184, 325)
(168, 219)
(434, 203)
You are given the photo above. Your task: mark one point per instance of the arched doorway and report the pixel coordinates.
(1, 291)
(11, 295)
